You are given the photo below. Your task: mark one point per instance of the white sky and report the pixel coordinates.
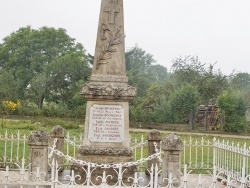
(214, 30)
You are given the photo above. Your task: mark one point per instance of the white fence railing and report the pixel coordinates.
(230, 159)
(13, 148)
(55, 179)
(198, 154)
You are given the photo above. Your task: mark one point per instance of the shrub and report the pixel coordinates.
(235, 108)
(182, 101)
(10, 106)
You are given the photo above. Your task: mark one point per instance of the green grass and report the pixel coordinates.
(25, 126)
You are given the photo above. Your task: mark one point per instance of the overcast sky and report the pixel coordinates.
(214, 30)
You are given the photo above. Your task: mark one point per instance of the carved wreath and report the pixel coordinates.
(108, 48)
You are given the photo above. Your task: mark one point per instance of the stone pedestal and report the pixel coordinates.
(106, 140)
(38, 142)
(153, 137)
(172, 146)
(58, 133)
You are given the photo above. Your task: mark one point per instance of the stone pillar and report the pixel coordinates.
(153, 137)
(38, 142)
(58, 133)
(172, 147)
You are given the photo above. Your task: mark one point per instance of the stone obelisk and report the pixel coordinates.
(106, 132)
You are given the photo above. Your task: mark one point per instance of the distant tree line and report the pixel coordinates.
(45, 69)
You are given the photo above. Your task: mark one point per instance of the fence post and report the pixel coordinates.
(191, 120)
(206, 120)
(222, 122)
(38, 142)
(153, 137)
(171, 164)
(243, 171)
(58, 133)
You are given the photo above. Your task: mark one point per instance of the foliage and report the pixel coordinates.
(141, 71)
(52, 109)
(183, 100)
(153, 106)
(241, 82)
(9, 86)
(235, 108)
(46, 68)
(10, 106)
(46, 63)
(190, 70)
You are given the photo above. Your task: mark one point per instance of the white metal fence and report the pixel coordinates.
(222, 158)
(232, 159)
(22, 178)
(13, 148)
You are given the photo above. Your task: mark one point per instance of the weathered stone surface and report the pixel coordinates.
(171, 163)
(110, 48)
(106, 123)
(38, 137)
(154, 137)
(58, 133)
(109, 78)
(38, 142)
(105, 142)
(108, 91)
(172, 142)
(105, 151)
(124, 142)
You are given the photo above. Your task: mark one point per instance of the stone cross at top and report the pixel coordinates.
(112, 9)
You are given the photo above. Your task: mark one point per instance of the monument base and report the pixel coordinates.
(111, 173)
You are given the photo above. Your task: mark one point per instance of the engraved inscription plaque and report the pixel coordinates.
(36, 157)
(106, 123)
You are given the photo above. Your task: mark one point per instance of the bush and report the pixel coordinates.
(235, 108)
(182, 101)
(51, 109)
(29, 109)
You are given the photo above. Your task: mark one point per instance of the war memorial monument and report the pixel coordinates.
(106, 131)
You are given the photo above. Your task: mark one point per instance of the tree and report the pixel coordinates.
(152, 107)
(190, 70)
(235, 108)
(46, 61)
(141, 71)
(65, 72)
(152, 83)
(9, 86)
(187, 70)
(211, 85)
(38, 88)
(240, 81)
(184, 99)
